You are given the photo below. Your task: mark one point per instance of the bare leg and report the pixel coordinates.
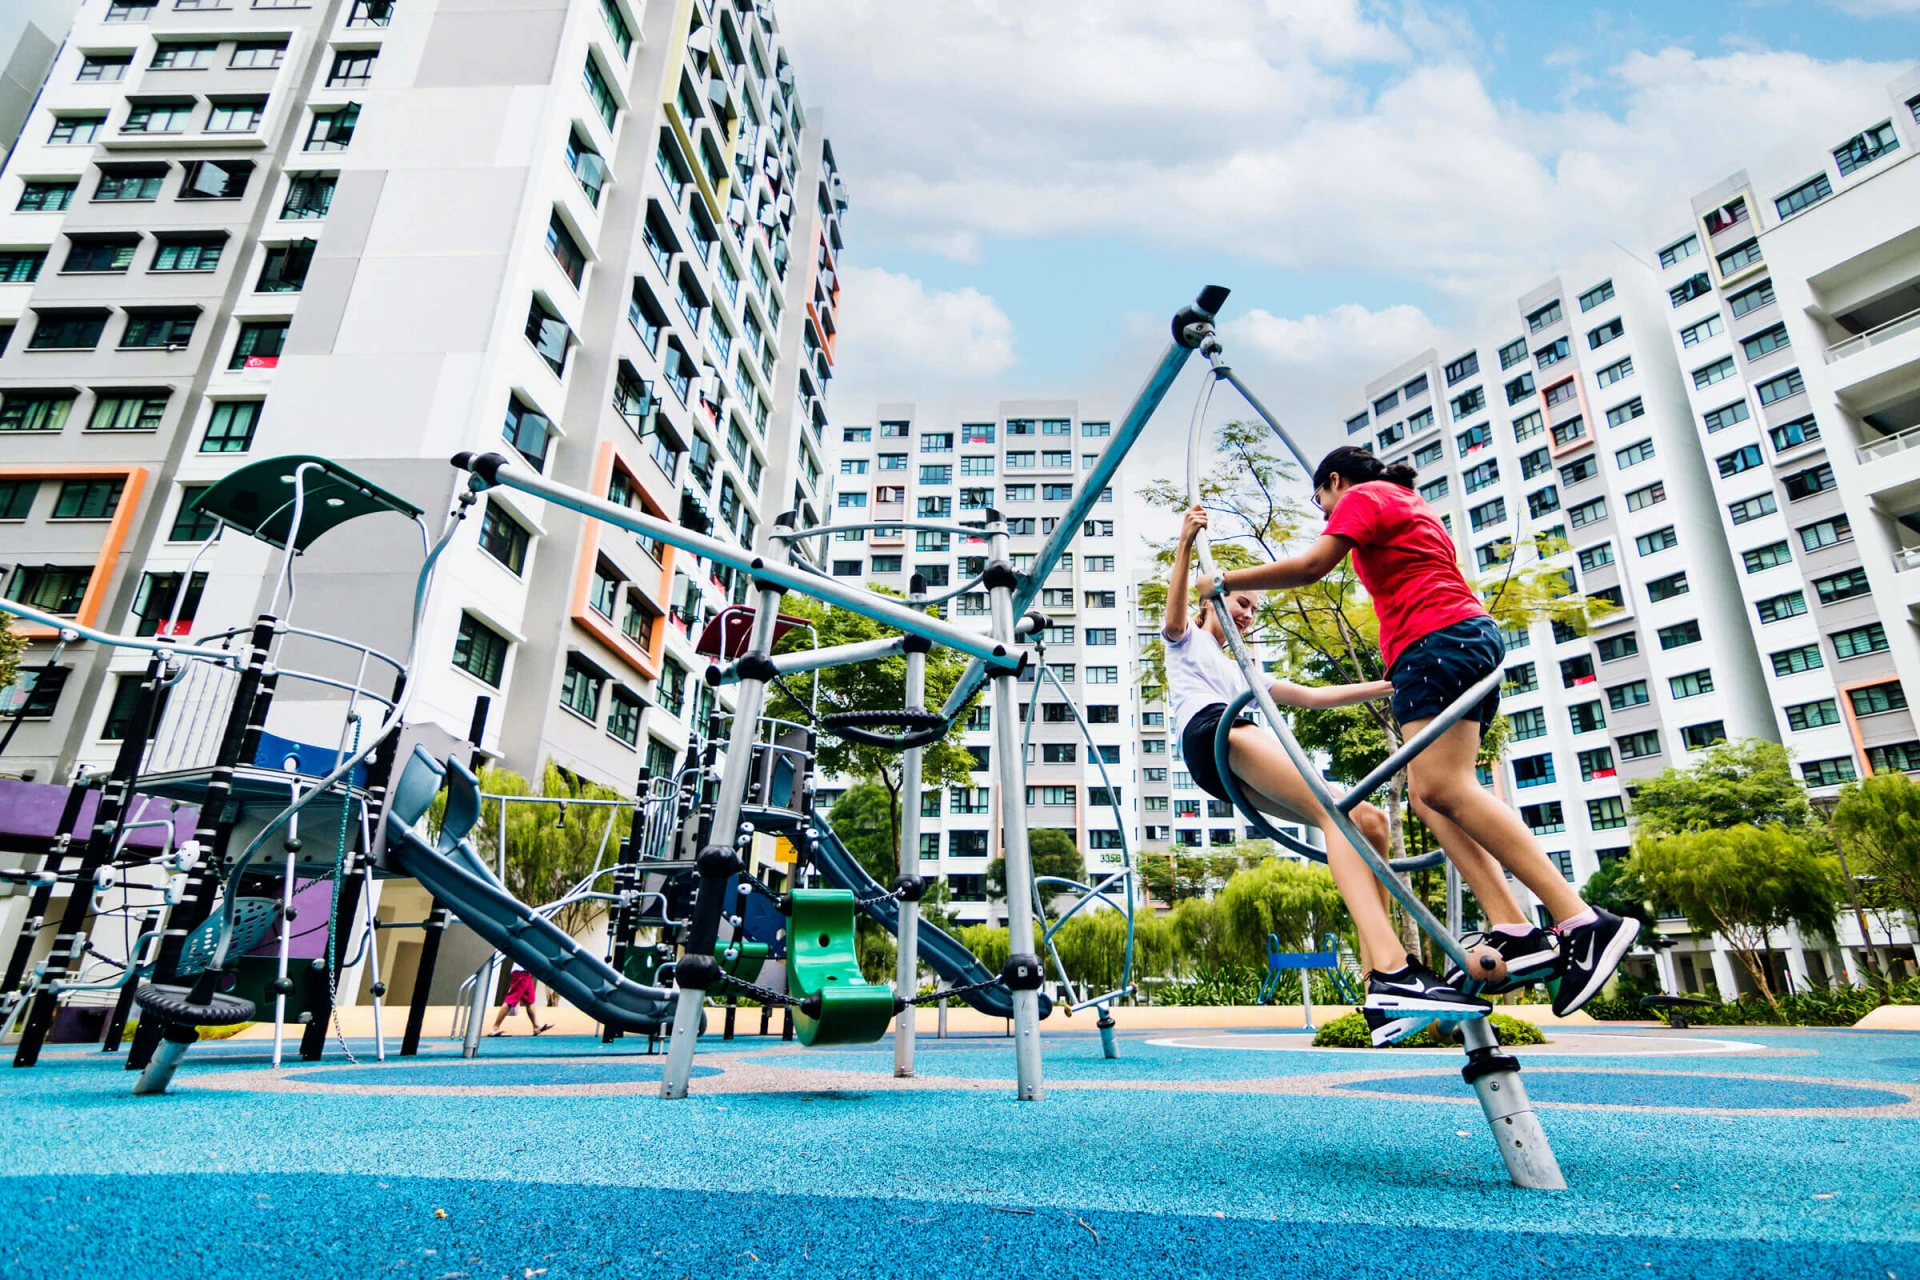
(1442, 778)
(1477, 867)
(1262, 763)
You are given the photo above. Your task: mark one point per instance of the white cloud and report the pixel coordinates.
(894, 322)
(1876, 8)
(1348, 337)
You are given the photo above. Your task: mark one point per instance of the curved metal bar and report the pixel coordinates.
(1249, 811)
(395, 716)
(369, 650)
(224, 657)
(287, 673)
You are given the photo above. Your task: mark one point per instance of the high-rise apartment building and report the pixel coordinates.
(1714, 438)
(1024, 459)
(598, 236)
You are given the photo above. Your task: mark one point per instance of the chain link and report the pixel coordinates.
(767, 995)
(934, 997)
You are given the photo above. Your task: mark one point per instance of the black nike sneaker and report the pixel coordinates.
(1531, 957)
(1400, 1004)
(1590, 954)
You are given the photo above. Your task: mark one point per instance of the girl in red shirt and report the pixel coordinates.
(1437, 641)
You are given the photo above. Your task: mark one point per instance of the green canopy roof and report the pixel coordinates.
(258, 499)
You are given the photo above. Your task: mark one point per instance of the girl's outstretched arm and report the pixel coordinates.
(1311, 565)
(1174, 625)
(1318, 697)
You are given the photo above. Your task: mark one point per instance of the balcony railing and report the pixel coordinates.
(1873, 337)
(1906, 558)
(1888, 446)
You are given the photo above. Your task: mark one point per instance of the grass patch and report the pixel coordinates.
(1350, 1032)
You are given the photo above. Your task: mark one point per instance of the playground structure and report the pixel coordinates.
(682, 871)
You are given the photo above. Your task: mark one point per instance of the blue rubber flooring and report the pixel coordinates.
(1133, 1181)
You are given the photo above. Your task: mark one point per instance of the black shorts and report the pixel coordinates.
(1441, 665)
(1196, 747)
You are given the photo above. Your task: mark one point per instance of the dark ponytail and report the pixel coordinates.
(1357, 466)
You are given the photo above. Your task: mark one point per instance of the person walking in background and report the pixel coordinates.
(520, 993)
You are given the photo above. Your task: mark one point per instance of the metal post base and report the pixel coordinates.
(1108, 1048)
(1516, 1129)
(1026, 1045)
(159, 1073)
(680, 1043)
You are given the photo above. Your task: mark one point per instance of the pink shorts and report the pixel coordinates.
(519, 989)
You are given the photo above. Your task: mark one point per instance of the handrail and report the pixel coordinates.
(1873, 337)
(1887, 446)
(223, 657)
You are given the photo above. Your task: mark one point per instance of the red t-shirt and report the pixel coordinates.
(1406, 562)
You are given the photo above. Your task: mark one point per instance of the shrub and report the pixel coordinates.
(1350, 1032)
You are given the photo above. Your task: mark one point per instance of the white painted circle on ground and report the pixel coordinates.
(1586, 1044)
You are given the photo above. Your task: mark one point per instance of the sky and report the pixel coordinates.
(1036, 186)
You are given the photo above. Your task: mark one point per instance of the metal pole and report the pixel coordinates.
(1022, 974)
(907, 932)
(1495, 1078)
(483, 984)
(697, 971)
(375, 986)
(941, 1034)
(1306, 998)
(280, 983)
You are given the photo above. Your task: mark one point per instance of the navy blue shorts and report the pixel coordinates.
(1196, 748)
(1437, 668)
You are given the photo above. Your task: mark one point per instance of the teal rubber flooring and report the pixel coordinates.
(1192, 1155)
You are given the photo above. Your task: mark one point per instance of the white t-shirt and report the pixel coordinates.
(1199, 675)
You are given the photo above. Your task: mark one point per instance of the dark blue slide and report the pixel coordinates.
(953, 962)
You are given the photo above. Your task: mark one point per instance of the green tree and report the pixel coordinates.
(863, 819)
(878, 685)
(1878, 824)
(551, 847)
(12, 645)
(1618, 888)
(1052, 852)
(1743, 882)
(1293, 900)
(1749, 781)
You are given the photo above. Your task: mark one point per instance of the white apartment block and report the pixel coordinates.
(597, 235)
(1023, 459)
(1721, 431)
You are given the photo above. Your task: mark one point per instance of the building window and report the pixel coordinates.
(1698, 737)
(1606, 333)
(101, 255)
(72, 131)
(283, 268)
(1776, 389)
(1468, 403)
(505, 539)
(1750, 509)
(128, 411)
(1607, 813)
(1660, 589)
(1866, 147)
(67, 330)
(1766, 342)
(1805, 484)
(1771, 556)
(309, 195)
(1897, 757)
(259, 344)
(170, 330)
(1529, 724)
(481, 651)
(1487, 514)
(1751, 299)
(1826, 533)
(236, 115)
(1533, 771)
(600, 92)
(1726, 416)
(1791, 435)
(256, 55)
(1696, 287)
(198, 253)
(1814, 715)
(580, 688)
(623, 717)
(1787, 662)
(1829, 773)
(332, 127)
(1639, 746)
(1695, 334)
(46, 197)
(1614, 648)
(158, 117)
(88, 500)
(1742, 459)
(1596, 295)
(351, 68)
(565, 249)
(1544, 317)
(130, 182)
(550, 336)
(190, 524)
(1553, 353)
(1857, 642)
(35, 410)
(1586, 717)
(1544, 819)
(1590, 512)
(1807, 194)
(1842, 586)
(1632, 694)
(104, 67)
(1512, 354)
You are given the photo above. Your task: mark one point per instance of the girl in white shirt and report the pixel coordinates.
(1201, 681)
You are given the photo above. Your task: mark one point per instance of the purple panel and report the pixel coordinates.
(32, 810)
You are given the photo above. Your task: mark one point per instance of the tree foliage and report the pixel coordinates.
(12, 645)
(1743, 882)
(1295, 901)
(876, 685)
(1052, 852)
(1878, 823)
(1618, 888)
(1750, 782)
(551, 847)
